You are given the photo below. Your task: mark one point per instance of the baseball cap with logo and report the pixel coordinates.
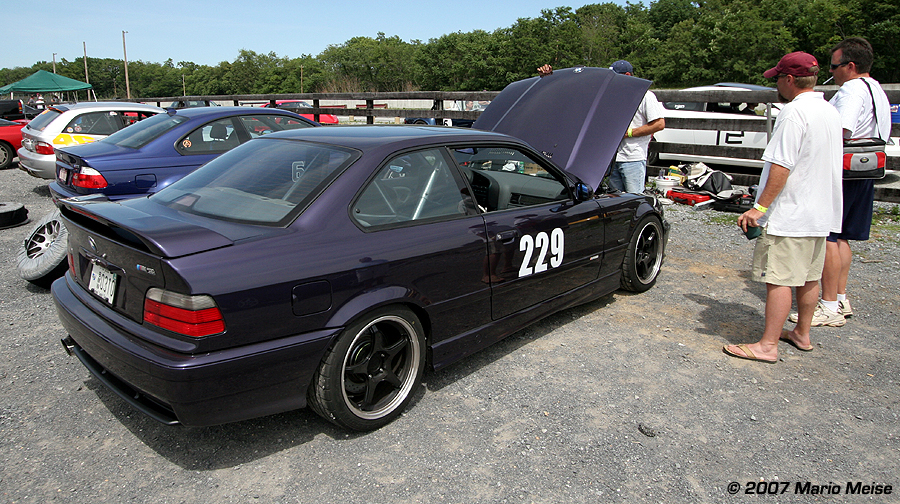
(798, 64)
(621, 67)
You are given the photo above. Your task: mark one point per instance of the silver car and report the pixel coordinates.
(72, 124)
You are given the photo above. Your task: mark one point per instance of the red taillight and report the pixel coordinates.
(43, 148)
(189, 315)
(88, 178)
(71, 263)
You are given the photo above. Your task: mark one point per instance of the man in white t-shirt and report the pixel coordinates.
(798, 204)
(865, 113)
(629, 170)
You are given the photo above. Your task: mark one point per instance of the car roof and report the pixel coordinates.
(730, 85)
(226, 111)
(105, 106)
(392, 137)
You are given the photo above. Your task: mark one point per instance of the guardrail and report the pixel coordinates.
(370, 106)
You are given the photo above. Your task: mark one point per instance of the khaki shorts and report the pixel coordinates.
(787, 260)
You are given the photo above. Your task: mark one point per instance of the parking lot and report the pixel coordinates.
(626, 399)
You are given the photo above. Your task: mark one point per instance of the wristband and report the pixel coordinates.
(630, 132)
(761, 208)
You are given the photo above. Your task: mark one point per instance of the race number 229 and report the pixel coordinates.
(549, 250)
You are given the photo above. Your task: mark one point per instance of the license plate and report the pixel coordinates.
(62, 175)
(103, 283)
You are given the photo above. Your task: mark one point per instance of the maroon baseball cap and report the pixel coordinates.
(798, 64)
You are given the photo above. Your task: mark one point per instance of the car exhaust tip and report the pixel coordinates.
(68, 344)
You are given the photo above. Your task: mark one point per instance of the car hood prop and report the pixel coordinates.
(576, 117)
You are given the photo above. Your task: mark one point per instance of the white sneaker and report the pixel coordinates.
(823, 317)
(845, 308)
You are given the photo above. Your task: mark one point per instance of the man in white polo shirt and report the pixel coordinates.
(797, 205)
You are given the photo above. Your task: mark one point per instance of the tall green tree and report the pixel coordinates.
(603, 28)
(379, 64)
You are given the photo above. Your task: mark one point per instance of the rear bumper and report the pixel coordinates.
(196, 390)
(37, 165)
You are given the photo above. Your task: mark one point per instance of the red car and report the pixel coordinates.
(297, 106)
(10, 140)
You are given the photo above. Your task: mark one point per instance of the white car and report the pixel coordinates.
(73, 124)
(714, 110)
(732, 110)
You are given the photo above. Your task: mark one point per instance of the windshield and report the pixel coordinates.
(265, 181)
(140, 134)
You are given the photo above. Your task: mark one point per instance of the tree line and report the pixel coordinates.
(675, 43)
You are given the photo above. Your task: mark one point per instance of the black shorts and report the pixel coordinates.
(858, 198)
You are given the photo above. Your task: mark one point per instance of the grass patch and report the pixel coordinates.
(886, 223)
(724, 218)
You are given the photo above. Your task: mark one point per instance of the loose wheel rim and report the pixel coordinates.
(42, 238)
(380, 367)
(648, 253)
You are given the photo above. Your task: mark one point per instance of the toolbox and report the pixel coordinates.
(736, 205)
(686, 197)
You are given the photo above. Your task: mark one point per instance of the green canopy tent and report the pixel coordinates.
(43, 81)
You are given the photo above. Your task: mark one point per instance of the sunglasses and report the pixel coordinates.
(775, 79)
(835, 66)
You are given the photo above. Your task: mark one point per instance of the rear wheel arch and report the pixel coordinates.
(358, 307)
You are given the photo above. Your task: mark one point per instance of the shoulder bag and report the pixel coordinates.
(864, 157)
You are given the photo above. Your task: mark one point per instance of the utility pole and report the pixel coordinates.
(54, 62)
(86, 79)
(125, 54)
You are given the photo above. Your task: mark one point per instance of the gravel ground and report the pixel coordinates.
(626, 399)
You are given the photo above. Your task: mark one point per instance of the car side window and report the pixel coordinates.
(214, 137)
(416, 186)
(129, 118)
(94, 123)
(505, 177)
(263, 124)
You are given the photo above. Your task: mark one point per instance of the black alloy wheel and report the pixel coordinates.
(643, 259)
(368, 378)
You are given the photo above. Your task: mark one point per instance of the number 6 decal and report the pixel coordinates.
(554, 244)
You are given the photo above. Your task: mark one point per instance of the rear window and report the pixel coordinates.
(140, 134)
(43, 119)
(265, 181)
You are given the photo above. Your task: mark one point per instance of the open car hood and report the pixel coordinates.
(576, 116)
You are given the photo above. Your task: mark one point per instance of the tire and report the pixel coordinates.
(370, 374)
(6, 155)
(653, 156)
(12, 215)
(643, 259)
(42, 259)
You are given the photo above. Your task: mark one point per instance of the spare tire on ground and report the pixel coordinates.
(12, 215)
(42, 259)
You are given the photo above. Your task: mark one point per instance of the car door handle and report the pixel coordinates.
(506, 236)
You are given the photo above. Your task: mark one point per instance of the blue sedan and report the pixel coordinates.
(153, 153)
(331, 267)
(139, 160)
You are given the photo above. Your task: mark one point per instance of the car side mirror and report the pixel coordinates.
(583, 192)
